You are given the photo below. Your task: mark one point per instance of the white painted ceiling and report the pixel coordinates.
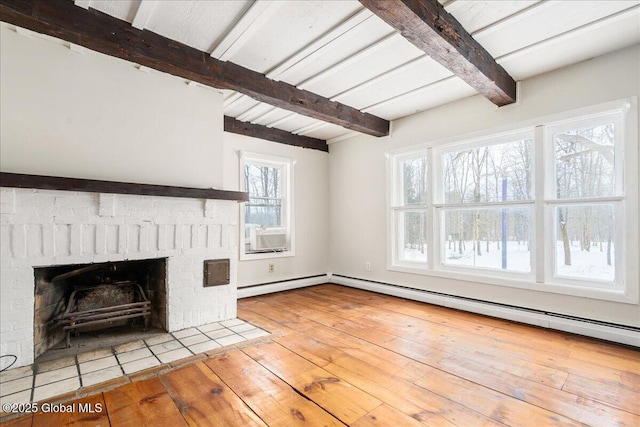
(342, 51)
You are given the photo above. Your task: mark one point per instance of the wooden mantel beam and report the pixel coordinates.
(108, 35)
(427, 25)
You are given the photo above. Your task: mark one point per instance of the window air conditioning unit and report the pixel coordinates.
(268, 239)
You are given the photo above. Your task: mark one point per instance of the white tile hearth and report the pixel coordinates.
(48, 377)
(103, 375)
(70, 374)
(20, 397)
(186, 333)
(194, 339)
(220, 333)
(204, 346)
(133, 355)
(173, 355)
(140, 365)
(56, 389)
(166, 346)
(210, 327)
(158, 339)
(98, 364)
(231, 339)
(14, 374)
(254, 333)
(15, 386)
(56, 364)
(93, 355)
(129, 346)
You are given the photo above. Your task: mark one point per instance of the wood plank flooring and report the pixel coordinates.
(341, 356)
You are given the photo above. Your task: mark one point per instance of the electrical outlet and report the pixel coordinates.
(272, 268)
(367, 266)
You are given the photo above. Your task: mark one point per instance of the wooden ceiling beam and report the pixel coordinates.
(427, 25)
(102, 33)
(272, 134)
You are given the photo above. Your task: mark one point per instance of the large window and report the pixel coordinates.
(267, 217)
(485, 209)
(543, 207)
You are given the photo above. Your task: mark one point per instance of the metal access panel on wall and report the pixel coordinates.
(216, 272)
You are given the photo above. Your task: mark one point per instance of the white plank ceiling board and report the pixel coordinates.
(124, 10)
(242, 30)
(418, 74)
(614, 34)
(366, 35)
(363, 69)
(295, 122)
(199, 24)
(251, 114)
(240, 106)
(328, 131)
(272, 116)
(477, 15)
(547, 22)
(227, 93)
(423, 99)
(290, 30)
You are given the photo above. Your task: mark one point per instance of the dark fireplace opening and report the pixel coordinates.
(82, 299)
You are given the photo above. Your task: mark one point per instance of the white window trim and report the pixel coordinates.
(541, 278)
(287, 166)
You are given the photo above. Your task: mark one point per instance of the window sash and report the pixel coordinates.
(484, 260)
(401, 251)
(278, 204)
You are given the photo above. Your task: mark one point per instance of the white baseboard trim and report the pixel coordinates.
(623, 335)
(268, 288)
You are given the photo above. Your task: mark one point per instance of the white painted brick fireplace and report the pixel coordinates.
(42, 228)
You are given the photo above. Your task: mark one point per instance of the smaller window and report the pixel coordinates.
(267, 217)
(410, 210)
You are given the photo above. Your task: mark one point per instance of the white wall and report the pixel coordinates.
(311, 198)
(86, 115)
(358, 182)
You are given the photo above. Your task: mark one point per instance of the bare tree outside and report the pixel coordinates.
(585, 168)
(477, 176)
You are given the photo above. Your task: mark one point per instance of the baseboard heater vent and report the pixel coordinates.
(281, 285)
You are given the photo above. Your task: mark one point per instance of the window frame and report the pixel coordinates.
(552, 201)
(398, 207)
(541, 278)
(286, 166)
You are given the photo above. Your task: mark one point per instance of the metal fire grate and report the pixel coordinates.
(104, 304)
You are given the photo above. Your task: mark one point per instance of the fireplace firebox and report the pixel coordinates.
(85, 298)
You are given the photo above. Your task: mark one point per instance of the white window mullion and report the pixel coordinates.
(540, 220)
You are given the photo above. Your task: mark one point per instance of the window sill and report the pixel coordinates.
(522, 281)
(266, 255)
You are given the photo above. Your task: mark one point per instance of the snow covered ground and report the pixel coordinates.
(584, 265)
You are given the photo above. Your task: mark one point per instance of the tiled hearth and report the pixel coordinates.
(67, 375)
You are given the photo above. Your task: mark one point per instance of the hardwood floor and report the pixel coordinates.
(341, 356)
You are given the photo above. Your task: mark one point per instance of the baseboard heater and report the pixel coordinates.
(281, 285)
